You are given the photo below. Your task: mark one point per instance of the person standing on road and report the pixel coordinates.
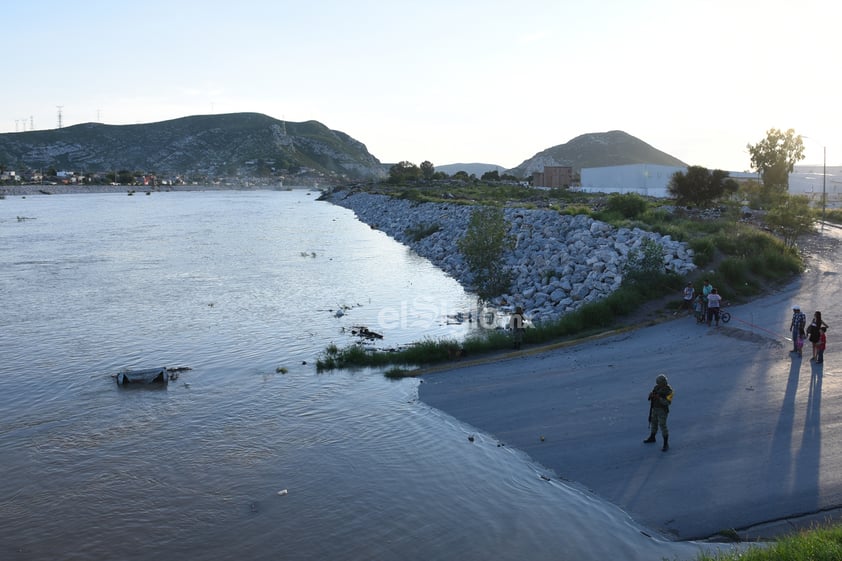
(699, 308)
(706, 289)
(822, 344)
(517, 323)
(660, 399)
(714, 301)
(814, 332)
(796, 327)
(689, 293)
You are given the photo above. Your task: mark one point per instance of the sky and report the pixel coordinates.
(445, 81)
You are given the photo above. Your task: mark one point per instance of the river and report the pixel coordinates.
(250, 454)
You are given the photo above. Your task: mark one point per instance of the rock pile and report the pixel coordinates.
(558, 262)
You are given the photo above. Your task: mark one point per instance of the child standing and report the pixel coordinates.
(820, 347)
(699, 308)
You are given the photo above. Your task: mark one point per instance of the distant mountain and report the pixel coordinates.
(214, 145)
(470, 169)
(613, 148)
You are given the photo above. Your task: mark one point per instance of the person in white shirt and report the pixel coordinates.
(714, 301)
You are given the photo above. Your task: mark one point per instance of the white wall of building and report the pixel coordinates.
(810, 181)
(644, 179)
(652, 180)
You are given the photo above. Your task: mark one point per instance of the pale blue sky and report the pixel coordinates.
(445, 81)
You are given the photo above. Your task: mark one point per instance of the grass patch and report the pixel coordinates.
(818, 544)
(427, 351)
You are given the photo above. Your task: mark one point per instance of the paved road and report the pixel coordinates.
(755, 432)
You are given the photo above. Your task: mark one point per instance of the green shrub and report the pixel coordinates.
(628, 205)
(703, 251)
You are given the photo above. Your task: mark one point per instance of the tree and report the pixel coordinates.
(700, 186)
(428, 170)
(491, 176)
(482, 246)
(125, 177)
(627, 205)
(791, 218)
(775, 156)
(404, 171)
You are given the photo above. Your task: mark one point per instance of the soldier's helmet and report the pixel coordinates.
(661, 379)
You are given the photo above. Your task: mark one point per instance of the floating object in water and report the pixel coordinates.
(365, 332)
(283, 492)
(159, 376)
(146, 376)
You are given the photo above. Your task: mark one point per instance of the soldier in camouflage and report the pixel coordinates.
(660, 399)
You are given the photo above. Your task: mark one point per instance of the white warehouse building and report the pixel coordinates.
(644, 179)
(652, 180)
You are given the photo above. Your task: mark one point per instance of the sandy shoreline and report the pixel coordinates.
(755, 432)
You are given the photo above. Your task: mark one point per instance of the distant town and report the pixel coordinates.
(53, 177)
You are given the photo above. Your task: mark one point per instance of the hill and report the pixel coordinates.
(244, 144)
(471, 169)
(599, 149)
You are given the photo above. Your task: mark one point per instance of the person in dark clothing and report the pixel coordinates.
(517, 323)
(822, 345)
(660, 399)
(796, 327)
(814, 332)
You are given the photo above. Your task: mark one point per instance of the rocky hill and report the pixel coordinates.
(611, 148)
(212, 145)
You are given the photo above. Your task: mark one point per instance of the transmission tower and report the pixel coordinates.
(59, 114)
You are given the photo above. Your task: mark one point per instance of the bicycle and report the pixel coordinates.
(724, 315)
